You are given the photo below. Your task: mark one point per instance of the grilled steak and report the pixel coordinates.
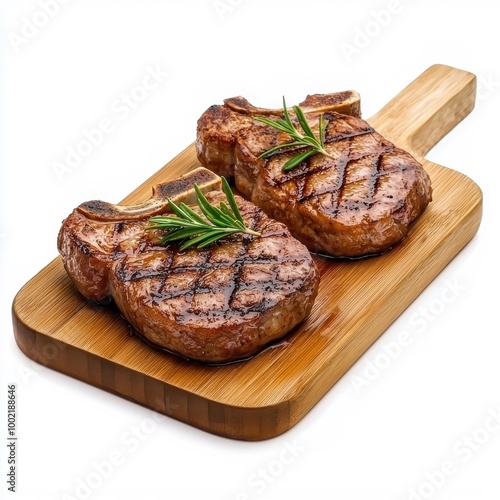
(216, 304)
(220, 127)
(361, 202)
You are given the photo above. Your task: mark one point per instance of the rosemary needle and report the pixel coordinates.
(306, 139)
(191, 229)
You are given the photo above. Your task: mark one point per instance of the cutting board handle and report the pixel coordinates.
(427, 109)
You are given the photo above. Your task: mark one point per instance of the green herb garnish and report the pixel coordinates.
(306, 139)
(193, 230)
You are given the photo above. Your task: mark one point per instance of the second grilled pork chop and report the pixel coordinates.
(217, 304)
(361, 202)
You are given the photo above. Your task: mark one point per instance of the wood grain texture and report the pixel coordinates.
(266, 395)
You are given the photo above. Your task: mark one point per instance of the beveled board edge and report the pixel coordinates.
(250, 424)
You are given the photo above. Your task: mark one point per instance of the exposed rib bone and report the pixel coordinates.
(179, 190)
(347, 103)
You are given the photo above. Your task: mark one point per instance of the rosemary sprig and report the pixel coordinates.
(306, 139)
(193, 230)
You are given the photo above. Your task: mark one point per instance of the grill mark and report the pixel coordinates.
(374, 180)
(256, 220)
(271, 284)
(342, 171)
(166, 272)
(311, 173)
(159, 294)
(194, 290)
(141, 274)
(117, 229)
(342, 176)
(339, 190)
(298, 175)
(301, 175)
(144, 272)
(208, 265)
(341, 137)
(161, 288)
(236, 279)
(300, 186)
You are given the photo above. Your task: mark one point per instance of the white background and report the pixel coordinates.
(433, 404)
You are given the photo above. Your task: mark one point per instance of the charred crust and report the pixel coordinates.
(346, 102)
(184, 184)
(239, 104)
(96, 209)
(182, 187)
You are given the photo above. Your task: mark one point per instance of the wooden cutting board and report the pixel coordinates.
(266, 395)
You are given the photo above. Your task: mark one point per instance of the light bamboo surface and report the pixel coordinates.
(266, 395)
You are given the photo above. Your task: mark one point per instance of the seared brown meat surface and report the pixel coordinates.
(220, 127)
(217, 304)
(361, 202)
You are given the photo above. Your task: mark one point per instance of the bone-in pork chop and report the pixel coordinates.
(359, 202)
(216, 304)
